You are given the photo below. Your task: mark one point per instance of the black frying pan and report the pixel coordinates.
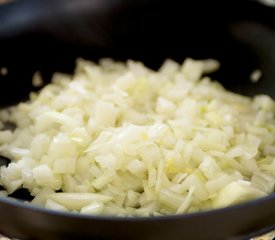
(48, 35)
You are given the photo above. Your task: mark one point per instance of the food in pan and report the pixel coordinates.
(121, 139)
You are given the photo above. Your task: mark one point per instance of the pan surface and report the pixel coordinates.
(48, 35)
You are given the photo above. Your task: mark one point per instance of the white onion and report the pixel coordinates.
(122, 139)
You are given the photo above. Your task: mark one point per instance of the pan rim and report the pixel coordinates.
(198, 214)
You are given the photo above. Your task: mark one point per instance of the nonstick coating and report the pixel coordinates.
(47, 35)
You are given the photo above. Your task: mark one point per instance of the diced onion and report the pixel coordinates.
(121, 139)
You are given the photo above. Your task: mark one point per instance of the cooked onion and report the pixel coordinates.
(121, 139)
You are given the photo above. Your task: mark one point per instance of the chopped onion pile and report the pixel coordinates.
(121, 139)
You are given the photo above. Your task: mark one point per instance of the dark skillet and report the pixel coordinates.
(48, 35)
